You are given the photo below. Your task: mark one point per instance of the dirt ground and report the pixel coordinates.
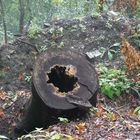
(114, 118)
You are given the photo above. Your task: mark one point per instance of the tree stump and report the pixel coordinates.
(64, 83)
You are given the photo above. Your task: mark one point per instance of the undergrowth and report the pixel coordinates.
(113, 82)
(33, 31)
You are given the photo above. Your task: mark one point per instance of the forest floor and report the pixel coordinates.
(114, 118)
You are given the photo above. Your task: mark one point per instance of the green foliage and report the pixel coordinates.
(92, 110)
(44, 10)
(57, 45)
(61, 45)
(95, 14)
(113, 82)
(28, 78)
(42, 48)
(34, 30)
(136, 13)
(55, 32)
(2, 74)
(59, 136)
(113, 49)
(41, 134)
(137, 84)
(137, 110)
(57, 2)
(136, 87)
(3, 137)
(63, 120)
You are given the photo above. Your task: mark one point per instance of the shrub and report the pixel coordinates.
(113, 82)
(33, 32)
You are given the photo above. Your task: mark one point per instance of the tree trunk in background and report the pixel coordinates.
(29, 9)
(21, 16)
(3, 21)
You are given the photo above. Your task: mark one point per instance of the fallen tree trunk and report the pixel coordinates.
(64, 84)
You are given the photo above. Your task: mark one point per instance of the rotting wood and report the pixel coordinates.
(70, 74)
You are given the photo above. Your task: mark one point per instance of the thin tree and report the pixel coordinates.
(21, 16)
(3, 21)
(29, 13)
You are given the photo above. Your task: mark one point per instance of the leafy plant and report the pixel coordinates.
(136, 87)
(28, 78)
(110, 51)
(34, 30)
(59, 136)
(63, 120)
(56, 136)
(42, 48)
(113, 82)
(137, 110)
(137, 84)
(55, 32)
(61, 45)
(39, 133)
(57, 45)
(82, 27)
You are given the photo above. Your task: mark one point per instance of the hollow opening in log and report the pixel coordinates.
(63, 77)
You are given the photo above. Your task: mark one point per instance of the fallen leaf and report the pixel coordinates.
(1, 113)
(131, 113)
(21, 76)
(3, 95)
(114, 116)
(81, 126)
(99, 112)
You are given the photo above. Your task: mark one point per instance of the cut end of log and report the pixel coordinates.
(63, 79)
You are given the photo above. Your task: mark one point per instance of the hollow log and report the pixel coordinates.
(64, 84)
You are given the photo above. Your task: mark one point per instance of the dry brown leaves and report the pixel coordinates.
(80, 126)
(3, 95)
(131, 59)
(1, 112)
(125, 4)
(20, 76)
